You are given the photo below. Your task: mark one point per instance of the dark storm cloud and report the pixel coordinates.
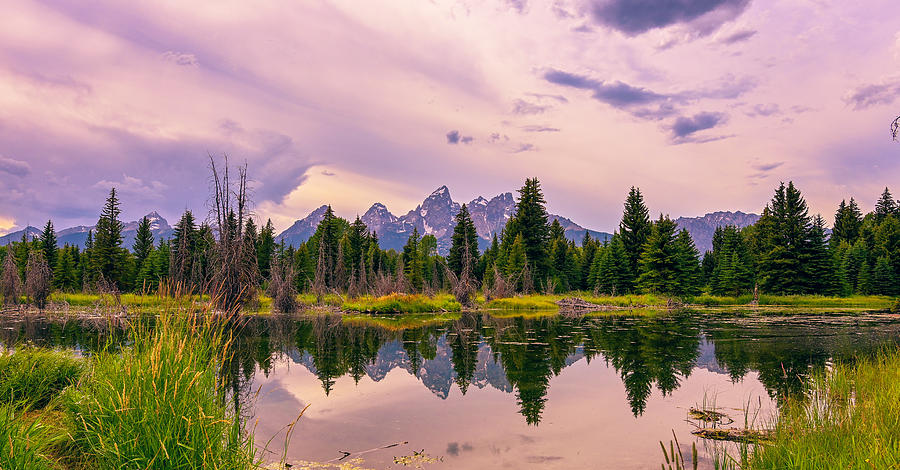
(14, 167)
(685, 126)
(634, 17)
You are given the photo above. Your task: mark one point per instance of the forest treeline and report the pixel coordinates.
(788, 251)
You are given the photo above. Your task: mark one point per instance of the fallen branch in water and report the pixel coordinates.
(734, 435)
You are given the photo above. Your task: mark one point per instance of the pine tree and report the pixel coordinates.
(412, 261)
(48, 244)
(143, 242)
(884, 281)
(182, 248)
(659, 264)
(588, 250)
(304, 268)
(847, 223)
(107, 254)
(265, 249)
(784, 228)
(530, 221)
(688, 262)
(517, 261)
(64, 276)
(885, 206)
(634, 230)
(465, 237)
(818, 264)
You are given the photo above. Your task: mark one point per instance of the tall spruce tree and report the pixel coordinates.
(659, 262)
(48, 244)
(530, 221)
(108, 257)
(412, 261)
(689, 277)
(265, 249)
(820, 271)
(465, 237)
(885, 206)
(847, 223)
(634, 230)
(143, 242)
(182, 248)
(784, 228)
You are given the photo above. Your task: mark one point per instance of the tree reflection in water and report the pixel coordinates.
(518, 354)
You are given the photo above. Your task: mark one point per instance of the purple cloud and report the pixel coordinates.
(454, 137)
(865, 96)
(634, 17)
(684, 127)
(14, 167)
(739, 36)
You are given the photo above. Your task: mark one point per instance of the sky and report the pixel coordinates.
(704, 104)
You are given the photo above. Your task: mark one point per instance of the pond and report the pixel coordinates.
(520, 391)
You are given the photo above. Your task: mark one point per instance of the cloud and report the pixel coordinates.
(523, 107)
(524, 147)
(328, 173)
(684, 127)
(136, 186)
(766, 166)
(764, 110)
(454, 137)
(14, 167)
(617, 94)
(518, 5)
(634, 17)
(865, 96)
(738, 36)
(534, 128)
(181, 58)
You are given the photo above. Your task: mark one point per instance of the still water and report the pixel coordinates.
(488, 391)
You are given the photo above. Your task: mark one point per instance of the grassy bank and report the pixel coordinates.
(874, 302)
(402, 303)
(157, 404)
(850, 418)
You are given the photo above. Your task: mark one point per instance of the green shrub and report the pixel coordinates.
(31, 377)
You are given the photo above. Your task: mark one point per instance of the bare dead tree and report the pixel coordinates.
(895, 128)
(401, 282)
(465, 286)
(550, 286)
(37, 279)
(10, 282)
(527, 280)
(319, 287)
(281, 287)
(234, 269)
(502, 287)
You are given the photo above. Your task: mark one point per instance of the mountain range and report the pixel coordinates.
(77, 236)
(435, 216)
(702, 228)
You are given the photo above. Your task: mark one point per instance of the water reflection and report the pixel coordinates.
(517, 355)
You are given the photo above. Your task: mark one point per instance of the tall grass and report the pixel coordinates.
(402, 303)
(24, 444)
(850, 418)
(159, 404)
(31, 377)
